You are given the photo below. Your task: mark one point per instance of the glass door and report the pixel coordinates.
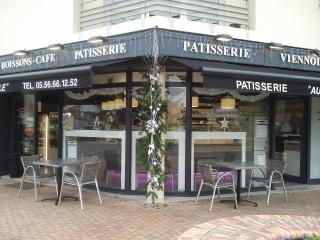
(290, 133)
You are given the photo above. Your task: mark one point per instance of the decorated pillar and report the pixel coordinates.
(151, 116)
(158, 198)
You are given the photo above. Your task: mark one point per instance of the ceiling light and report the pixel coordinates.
(96, 39)
(119, 103)
(20, 53)
(109, 105)
(276, 46)
(228, 102)
(315, 52)
(195, 101)
(135, 102)
(224, 38)
(56, 47)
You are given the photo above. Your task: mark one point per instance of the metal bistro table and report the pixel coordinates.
(59, 164)
(238, 166)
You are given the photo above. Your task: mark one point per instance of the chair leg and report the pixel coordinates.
(98, 191)
(80, 195)
(39, 186)
(234, 193)
(172, 181)
(35, 188)
(249, 189)
(284, 190)
(22, 181)
(55, 182)
(199, 192)
(107, 180)
(60, 196)
(269, 191)
(214, 192)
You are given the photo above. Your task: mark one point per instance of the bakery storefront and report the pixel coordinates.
(227, 100)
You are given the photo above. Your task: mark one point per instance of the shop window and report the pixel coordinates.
(138, 77)
(109, 78)
(221, 110)
(94, 125)
(197, 77)
(315, 139)
(171, 76)
(95, 109)
(176, 76)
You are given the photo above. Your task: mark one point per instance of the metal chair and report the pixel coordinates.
(273, 175)
(88, 175)
(36, 172)
(211, 178)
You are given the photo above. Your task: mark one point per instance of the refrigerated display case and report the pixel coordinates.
(28, 136)
(25, 126)
(47, 135)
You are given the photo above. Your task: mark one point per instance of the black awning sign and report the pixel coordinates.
(298, 88)
(50, 83)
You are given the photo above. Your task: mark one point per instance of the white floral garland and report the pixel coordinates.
(92, 92)
(235, 94)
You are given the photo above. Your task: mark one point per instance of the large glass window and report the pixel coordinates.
(289, 132)
(109, 78)
(241, 116)
(315, 138)
(94, 124)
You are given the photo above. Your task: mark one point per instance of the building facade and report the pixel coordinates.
(232, 93)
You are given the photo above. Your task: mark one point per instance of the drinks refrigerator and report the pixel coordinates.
(47, 135)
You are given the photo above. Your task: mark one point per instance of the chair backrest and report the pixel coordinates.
(206, 173)
(90, 159)
(89, 171)
(275, 165)
(27, 161)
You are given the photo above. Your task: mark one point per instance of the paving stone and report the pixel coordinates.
(120, 218)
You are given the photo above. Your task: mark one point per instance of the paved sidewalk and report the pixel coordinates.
(120, 218)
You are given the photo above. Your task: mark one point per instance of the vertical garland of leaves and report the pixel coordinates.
(152, 108)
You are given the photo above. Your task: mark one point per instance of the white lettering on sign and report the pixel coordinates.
(110, 49)
(220, 50)
(51, 84)
(16, 63)
(314, 90)
(261, 86)
(47, 58)
(3, 86)
(300, 59)
(28, 61)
